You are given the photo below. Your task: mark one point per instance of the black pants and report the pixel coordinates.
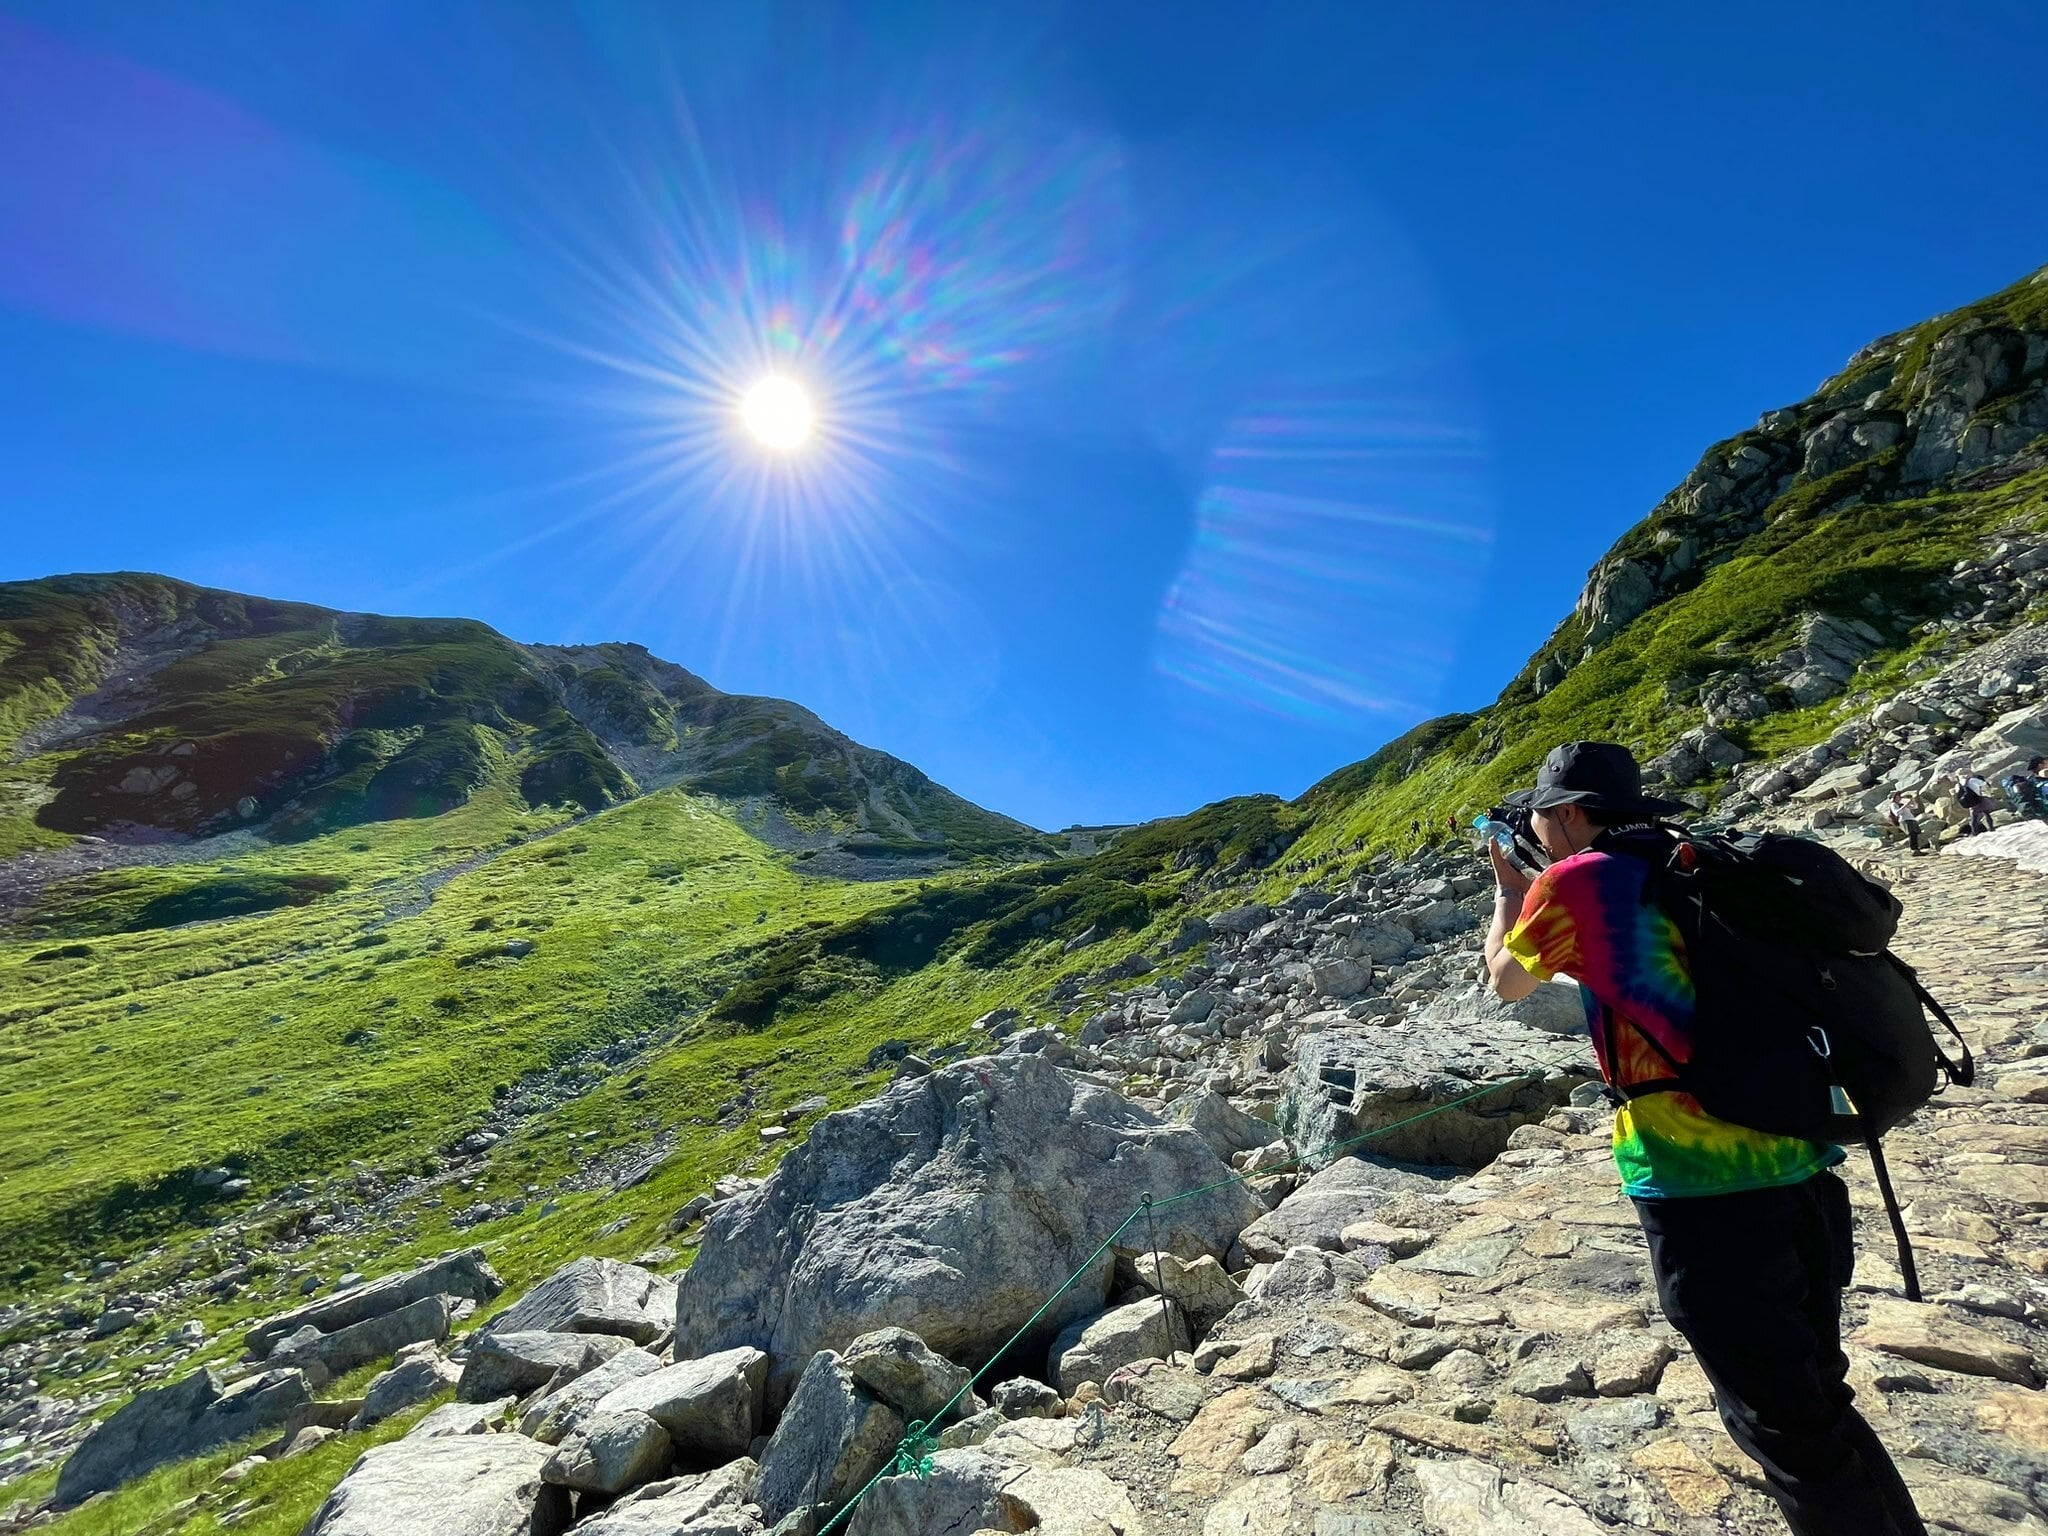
(1754, 1281)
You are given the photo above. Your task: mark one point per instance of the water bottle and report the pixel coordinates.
(1498, 832)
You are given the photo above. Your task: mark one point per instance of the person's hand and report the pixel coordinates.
(1510, 879)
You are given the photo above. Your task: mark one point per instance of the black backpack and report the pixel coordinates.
(1804, 1023)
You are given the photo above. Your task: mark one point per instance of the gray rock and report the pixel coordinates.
(551, 1419)
(1371, 938)
(512, 1364)
(708, 1504)
(1202, 1289)
(170, 1423)
(966, 1490)
(1023, 1398)
(1549, 1378)
(834, 1436)
(456, 1274)
(593, 1296)
(609, 1453)
(1617, 593)
(462, 1419)
(711, 1407)
(1350, 1082)
(1319, 1210)
(374, 1338)
(895, 1365)
(419, 1373)
(1241, 920)
(1462, 1497)
(462, 1485)
(953, 1206)
(1340, 978)
(1227, 1129)
(1089, 1349)
(1304, 1276)
(1614, 1424)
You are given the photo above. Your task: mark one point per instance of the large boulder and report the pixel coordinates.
(711, 1407)
(965, 1490)
(455, 1274)
(1473, 1011)
(594, 1296)
(461, 1485)
(953, 1205)
(833, 1437)
(513, 1364)
(1348, 1082)
(170, 1423)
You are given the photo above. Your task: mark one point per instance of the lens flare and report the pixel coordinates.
(778, 413)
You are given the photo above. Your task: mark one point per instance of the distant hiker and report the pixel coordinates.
(1905, 815)
(1749, 1233)
(1974, 796)
(2027, 791)
(1415, 829)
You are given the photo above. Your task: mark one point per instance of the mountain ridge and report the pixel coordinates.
(181, 710)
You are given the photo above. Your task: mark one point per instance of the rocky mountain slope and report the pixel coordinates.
(139, 709)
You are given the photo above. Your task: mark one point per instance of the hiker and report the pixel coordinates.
(1974, 796)
(1905, 815)
(2027, 791)
(1749, 1233)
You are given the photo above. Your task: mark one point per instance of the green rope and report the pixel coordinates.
(913, 1456)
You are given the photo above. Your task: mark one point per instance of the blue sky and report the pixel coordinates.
(1205, 394)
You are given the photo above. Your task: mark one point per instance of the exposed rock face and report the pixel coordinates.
(1616, 594)
(463, 1485)
(1227, 1129)
(952, 1205)
(170, 1423)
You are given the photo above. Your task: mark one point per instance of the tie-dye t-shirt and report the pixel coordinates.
(1585, 918)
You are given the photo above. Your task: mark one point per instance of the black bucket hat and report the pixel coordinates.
(1599, 776)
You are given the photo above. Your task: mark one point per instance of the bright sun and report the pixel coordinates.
(778, 413)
